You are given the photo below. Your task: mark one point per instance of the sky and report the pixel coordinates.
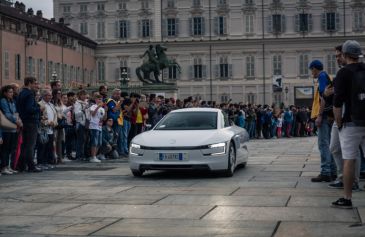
(45, 5)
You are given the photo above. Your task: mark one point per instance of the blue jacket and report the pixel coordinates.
(28, 108)
(112, 114)
(9, 110)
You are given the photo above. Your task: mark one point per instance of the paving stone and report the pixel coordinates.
(119, 198)
(309, 174)
(304, 192)
(137, 211)
(183, 190)
(283, 214)
(76, 190)
(285, 168)
(298, 201)
(20, 208)
(187, 228)
(203, 200)
(278, 174)
(305, 229)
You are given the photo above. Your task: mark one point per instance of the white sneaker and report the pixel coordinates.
(12, 171)
(101, 157)
(66, 160)
(6, 171)
(73, 154)
(94, 160)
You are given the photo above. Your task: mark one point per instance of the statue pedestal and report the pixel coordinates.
(167, 90)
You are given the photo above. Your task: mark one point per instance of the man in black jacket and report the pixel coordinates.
(29, 113)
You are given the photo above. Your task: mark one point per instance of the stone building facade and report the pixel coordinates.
(228, 49)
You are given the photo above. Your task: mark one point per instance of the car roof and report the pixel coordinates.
(196, 110)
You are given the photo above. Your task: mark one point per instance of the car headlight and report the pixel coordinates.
(135, 149)
(215, 149)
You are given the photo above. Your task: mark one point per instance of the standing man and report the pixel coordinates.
(29, 113)
(114, 113)
(350, 93)
(323, 122)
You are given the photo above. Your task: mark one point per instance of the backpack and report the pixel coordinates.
(358, 96)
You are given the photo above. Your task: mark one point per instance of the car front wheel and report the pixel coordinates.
(231, 162)
(137, 173)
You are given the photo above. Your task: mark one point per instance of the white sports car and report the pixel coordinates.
(194, 139)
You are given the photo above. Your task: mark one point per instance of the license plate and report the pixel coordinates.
(172, 156)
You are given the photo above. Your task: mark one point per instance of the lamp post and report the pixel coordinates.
(124, 79)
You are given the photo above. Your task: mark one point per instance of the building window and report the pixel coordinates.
(146, 28)
(330, 21)
(198, 68)
(144, 4)
(83, 8)
(101, 30)
(172, 72)
(251, 98)
(67, 9)
(122, 5)
(50, 70)
(40, 68)
(30, 67)
(221, 2)
(249, 2)
(18, 67)
(83, 28)
(101, 71)
(196, 3)
(171, 3)
(331, 64)
(221, 25)
(101, 7)
(6, 65)
(122, 29)
(277, 65)
(224, 98)
(249, 23)
(278, 21)
(197, 26)
(250, 66)
(171, 27)
(303, 64)
(303, 22)
(223, 67)
(358, 24)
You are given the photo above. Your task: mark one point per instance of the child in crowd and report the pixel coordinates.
(109, 144)
(97, 115)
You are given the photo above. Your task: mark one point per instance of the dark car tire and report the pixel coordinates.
(137, 173)
(231, 161)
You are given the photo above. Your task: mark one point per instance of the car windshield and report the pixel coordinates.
(188, 121)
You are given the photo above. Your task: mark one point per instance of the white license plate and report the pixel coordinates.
(172, 156)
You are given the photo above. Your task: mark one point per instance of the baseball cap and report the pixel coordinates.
(352, 48)
(316, 64)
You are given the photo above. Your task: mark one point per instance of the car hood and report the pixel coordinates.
(159, 138)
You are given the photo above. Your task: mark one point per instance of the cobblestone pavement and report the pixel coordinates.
(272, 196)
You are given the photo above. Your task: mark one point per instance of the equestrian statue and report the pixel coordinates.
(156, 61)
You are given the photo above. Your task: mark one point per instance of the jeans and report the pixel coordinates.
(80, 141)
(119, 131)
(328, 166)
(45, 153)
(125, 133)
(30, 132)
(8, 148)
(70, 136)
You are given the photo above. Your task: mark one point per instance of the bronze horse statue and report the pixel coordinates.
(157, 61)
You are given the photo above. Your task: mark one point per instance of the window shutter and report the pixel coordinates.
(230, 71)
(139, 23)
(177, 27)
(283, 24)
(216, 25)
(151, 29)
(297, 23)
(324, 22)
(216, 70)
(191, 72)
(203, 26)
(33, 68)
(164, 27)
(165, 73)
(310, 23)
(269, 24)
(128, 25)
(191, 23)
(337, 16)
(361, 24)
(204, 71)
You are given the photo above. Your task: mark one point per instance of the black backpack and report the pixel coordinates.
(358, 96)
